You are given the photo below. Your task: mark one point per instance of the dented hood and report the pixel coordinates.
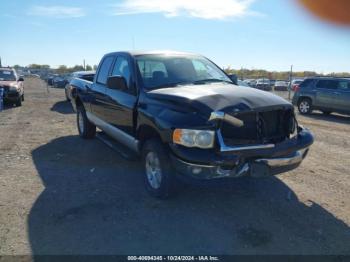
(220, 97)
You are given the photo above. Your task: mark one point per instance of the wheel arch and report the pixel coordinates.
(146, 132)
(305, 97)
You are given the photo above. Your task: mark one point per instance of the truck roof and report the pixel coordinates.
(155, 52)
(7, 68)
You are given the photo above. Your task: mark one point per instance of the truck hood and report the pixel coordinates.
(7, 83)
(220, 97)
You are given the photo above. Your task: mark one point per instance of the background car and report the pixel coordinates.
(50, 79)
(85, 75)
(281, 85)
(263, 84)
(296, 83)
(325, 94)
(242, 83)
(59, 82)
(12, 85)
(250, 82)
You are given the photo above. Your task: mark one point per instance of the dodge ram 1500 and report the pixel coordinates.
(186, 119)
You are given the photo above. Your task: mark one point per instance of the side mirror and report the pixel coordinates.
(234, 79)
(117, 82)
(21, 79)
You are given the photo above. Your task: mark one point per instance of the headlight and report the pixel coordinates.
(194, 138)
(13, 88)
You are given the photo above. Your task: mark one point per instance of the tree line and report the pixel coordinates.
(278, 75)
(62, 69)
(241, 73)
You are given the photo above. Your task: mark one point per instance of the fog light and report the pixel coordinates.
(196, 170)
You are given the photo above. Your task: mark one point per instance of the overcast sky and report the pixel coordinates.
(266, 34)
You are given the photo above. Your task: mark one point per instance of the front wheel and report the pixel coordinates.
(159, 178)
(305, 106)
(86, 129)
(19, 101)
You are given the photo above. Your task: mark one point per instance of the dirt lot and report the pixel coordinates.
(62, 195)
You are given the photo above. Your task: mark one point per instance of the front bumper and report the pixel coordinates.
(11, 96)
(248, 161)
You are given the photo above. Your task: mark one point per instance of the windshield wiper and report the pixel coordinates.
(210, 80)
(169, 85)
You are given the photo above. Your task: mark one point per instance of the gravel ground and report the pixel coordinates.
(62, 195)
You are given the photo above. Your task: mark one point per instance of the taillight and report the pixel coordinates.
(296, 88)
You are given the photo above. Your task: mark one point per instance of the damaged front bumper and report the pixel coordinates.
(254, 160)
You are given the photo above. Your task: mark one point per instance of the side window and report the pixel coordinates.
(122, 68)
(104, 70)
(344, 85)
(327, 84)
(306, 83)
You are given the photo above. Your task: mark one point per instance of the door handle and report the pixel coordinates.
(87, 87)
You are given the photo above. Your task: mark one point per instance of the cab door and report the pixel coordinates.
(99, 101)
(121, 103)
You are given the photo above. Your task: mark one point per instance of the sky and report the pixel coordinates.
(260, 34)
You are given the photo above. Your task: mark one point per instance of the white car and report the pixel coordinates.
(281, 86)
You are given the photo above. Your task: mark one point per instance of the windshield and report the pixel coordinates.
(158, 71)
(7, 75)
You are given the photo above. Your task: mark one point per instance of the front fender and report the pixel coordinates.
(165, 120)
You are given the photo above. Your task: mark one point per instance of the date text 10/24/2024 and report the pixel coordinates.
(173, 258)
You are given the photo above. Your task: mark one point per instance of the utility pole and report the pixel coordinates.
(290, 81)
(84, 65)
(0, 62)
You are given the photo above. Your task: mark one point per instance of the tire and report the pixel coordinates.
(305, 106)
(65, 91)
(327, 113)
(86, 129)
(160, 181)
(19, 101)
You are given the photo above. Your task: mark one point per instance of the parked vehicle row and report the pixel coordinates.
(184, 117)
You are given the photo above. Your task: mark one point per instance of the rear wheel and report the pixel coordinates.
(86, 129)
(305, 106)
(159, 178)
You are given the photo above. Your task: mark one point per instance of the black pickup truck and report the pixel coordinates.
(185, 118)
